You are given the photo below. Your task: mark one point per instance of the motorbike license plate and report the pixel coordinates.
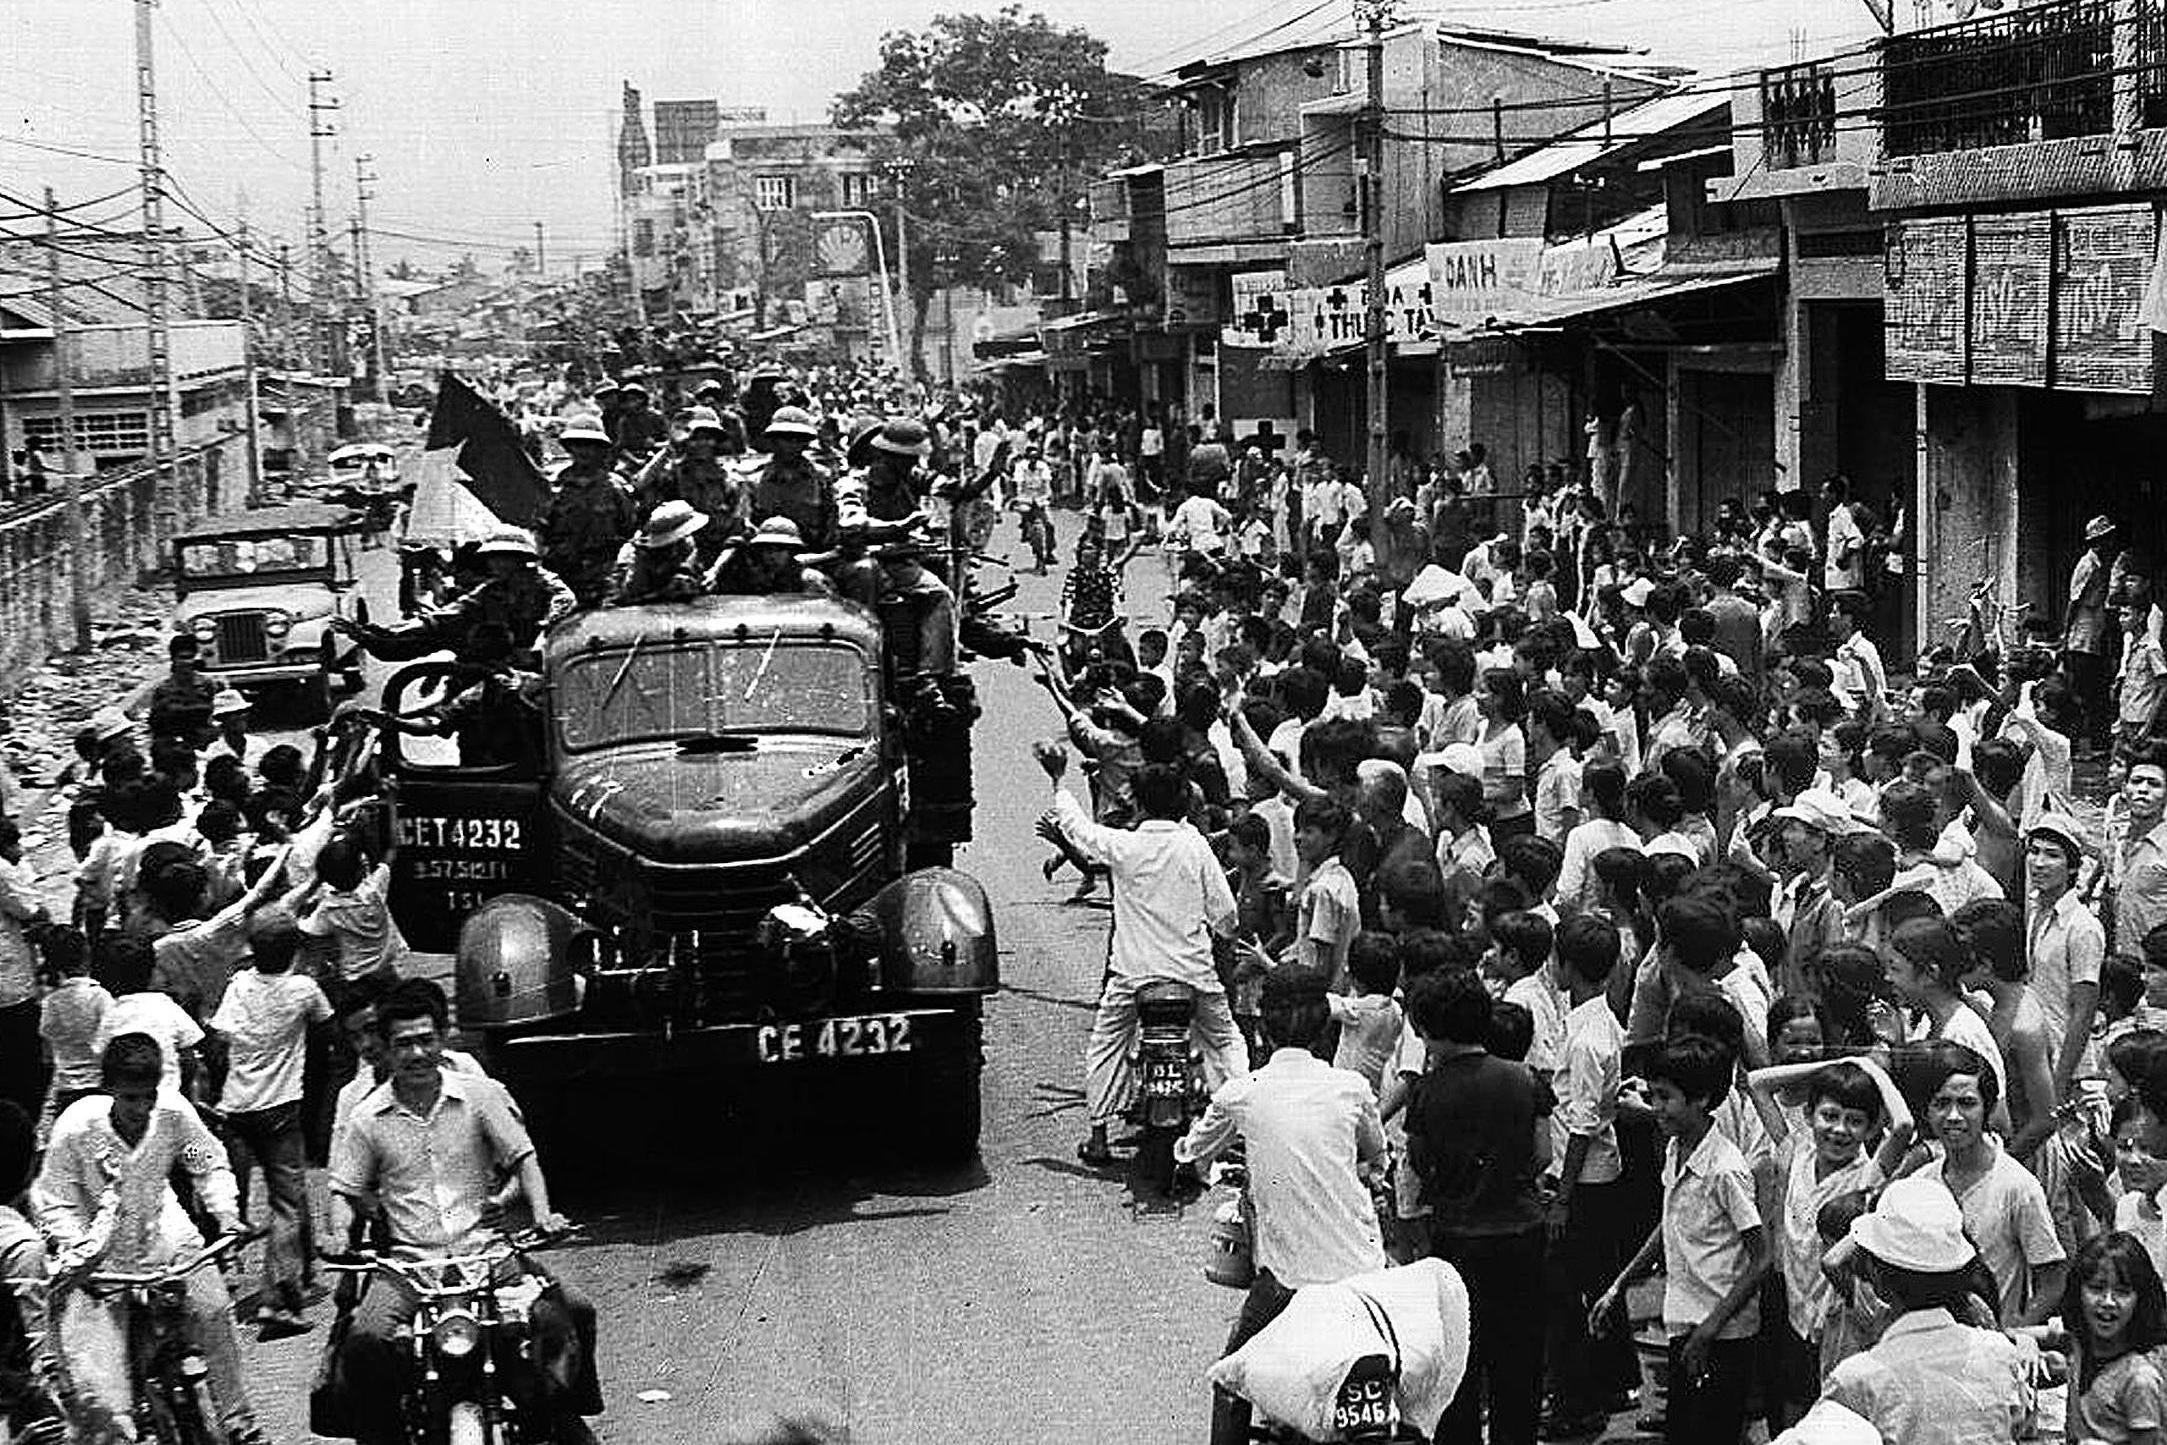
(855, 1037)
(1165, 1078)
(1364, 1405)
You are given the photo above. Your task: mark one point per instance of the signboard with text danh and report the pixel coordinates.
(2048, 298)
(1472, 281)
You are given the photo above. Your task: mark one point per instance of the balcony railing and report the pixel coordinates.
(2046, 72)
(1230, 198)
(1798, 115)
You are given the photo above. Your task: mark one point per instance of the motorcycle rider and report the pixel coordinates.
(1170, 900)
(880, 503)
(104, 1196)
(424, 1149)
(1310, 1132)
(1030, 484)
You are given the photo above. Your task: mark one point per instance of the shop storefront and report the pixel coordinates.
(2038, 385)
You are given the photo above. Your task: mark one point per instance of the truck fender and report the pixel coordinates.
(936, 934)
(517, 962)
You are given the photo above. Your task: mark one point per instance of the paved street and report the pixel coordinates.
(1022, 1297)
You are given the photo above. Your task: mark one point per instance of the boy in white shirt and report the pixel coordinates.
(264, 1019)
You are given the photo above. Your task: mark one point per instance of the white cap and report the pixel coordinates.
(1636, 592)
(1829, 1423)
(1820, 808)
(1918, 1226)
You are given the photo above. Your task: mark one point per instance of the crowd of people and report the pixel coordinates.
(1667, 926)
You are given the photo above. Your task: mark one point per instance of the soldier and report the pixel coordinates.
(640, 428)
(719, 397)
(881, 505)
(768, 561)
(179, 705)
(793, 485)
(692, 471)
(518, 595)
(590, 516)
(661, 563)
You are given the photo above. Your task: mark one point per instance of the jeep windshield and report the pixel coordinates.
(244, 557)
(656, 691)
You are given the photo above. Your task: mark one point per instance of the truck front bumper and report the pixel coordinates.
(835, 1041)
(257, 674)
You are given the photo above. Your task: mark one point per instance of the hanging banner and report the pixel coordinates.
(1324, 319)
(1258, 315)
(1472, 281)
(1926, 320)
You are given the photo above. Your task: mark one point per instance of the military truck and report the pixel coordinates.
(730, 861)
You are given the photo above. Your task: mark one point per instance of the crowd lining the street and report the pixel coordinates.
(1646, 921)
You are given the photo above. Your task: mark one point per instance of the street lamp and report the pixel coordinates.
(887, 287)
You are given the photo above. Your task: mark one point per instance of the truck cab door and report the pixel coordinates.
(464, 834)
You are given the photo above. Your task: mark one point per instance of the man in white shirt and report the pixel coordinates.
(1170, 900)
(1845, 567)
(1860, 679)
(1310, 1131)
(1200, 525)
(104, 1193)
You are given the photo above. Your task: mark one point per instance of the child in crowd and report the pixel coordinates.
(2116, 1316)
(1329, 913)
(68, 1021)
(1711, 1244)
(1369, 1017)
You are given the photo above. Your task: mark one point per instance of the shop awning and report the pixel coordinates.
(1017, 361)
(1624, 294)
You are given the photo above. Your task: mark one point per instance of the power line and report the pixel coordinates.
(173, 31)
(248, 13)
(281, 97)
(59, 150)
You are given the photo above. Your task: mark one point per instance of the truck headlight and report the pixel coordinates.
(456, 1333)
(203, 629)
(276, 624)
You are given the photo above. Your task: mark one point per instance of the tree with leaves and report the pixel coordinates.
(988, 125)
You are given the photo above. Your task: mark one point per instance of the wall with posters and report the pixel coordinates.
(2050, 299)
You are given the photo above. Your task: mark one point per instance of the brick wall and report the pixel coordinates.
(119, 548)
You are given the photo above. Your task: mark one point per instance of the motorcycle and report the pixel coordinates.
(174, 1403)
(469, 1330)
(1037, 529)
(1166, 1074)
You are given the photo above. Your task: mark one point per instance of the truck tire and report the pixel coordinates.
(945, 1101)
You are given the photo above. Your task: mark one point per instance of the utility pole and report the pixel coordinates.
(899, 171)
(1374, 16)
(157, 318)
(365, 269)
(1068, 279)
(541, 253)
(253, 445)
(285, 303)
(321, 357)
(71, 479)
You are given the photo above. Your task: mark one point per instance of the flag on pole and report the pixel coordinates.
(488, 460)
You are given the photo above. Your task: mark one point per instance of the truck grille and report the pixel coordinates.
(706, 914)
(241, 638)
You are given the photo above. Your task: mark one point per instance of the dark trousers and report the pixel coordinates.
(1791, 1372)
(1585, 1371)
(2089, 679)
(22, 1057)
(1505, 1298)
(1712, 1409)
(273, 1138)
(1230, 1413)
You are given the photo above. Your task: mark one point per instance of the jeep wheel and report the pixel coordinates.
(944, 1098)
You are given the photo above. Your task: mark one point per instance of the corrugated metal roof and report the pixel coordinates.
(1586, 146)
(97, 278)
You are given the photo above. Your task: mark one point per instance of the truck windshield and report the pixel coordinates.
(659, 691)
(246, 556)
